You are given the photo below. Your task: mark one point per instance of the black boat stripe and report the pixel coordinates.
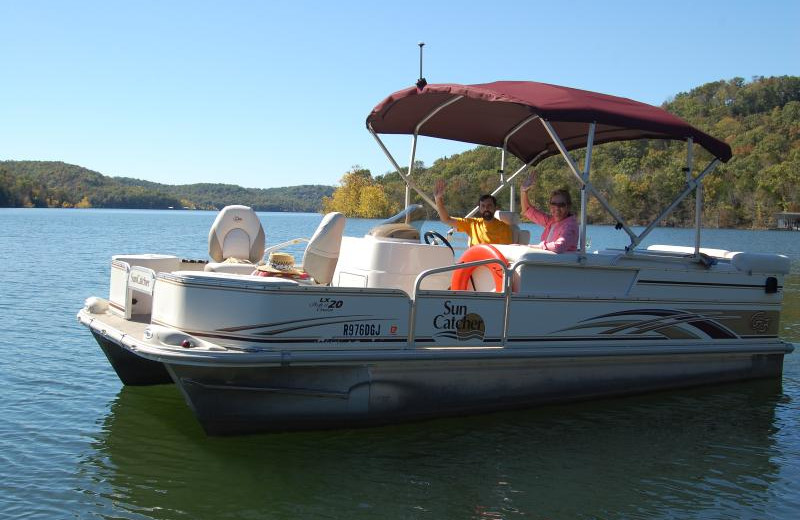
(703, 284)
(265, 325)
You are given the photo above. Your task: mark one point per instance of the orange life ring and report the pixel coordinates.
(461, 277)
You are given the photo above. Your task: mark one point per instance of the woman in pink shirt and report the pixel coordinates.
(561, 228)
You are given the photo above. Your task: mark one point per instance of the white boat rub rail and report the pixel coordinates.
(257, 357)
(283, 358)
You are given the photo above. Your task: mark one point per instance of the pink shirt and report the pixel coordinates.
(558, 236)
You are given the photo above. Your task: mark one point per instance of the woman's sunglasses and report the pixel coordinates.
(558, 204)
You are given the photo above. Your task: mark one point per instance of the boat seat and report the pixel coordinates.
(322, 251)
(235, 241)
(518, 236)
(397, 231)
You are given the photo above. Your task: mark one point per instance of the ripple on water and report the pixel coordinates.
(657, 456)
(73, 439)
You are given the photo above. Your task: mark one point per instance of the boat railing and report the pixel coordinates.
(282, 245)
(508, 276)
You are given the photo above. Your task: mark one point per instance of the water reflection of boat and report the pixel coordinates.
(379, 331)
(673, 454)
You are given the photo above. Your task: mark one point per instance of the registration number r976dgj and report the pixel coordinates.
(361, 329)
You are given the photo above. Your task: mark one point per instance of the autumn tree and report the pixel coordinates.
(359, 196)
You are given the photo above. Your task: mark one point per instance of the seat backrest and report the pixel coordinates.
(518, 236)
(236, 233)
(322, 251)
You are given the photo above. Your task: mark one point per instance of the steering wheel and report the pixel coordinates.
(437, 238)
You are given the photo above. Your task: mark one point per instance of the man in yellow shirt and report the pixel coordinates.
(483, 230)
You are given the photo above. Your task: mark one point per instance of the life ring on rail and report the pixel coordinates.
(460, 279)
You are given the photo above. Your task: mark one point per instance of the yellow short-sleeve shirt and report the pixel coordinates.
(482, 231)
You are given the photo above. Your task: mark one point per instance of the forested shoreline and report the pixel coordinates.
(50, 184)
(759, 119)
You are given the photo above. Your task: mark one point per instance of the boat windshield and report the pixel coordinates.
(405, 225)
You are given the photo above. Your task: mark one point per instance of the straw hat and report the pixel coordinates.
(280, 263)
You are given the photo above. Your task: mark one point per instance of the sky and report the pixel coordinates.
(270, 93)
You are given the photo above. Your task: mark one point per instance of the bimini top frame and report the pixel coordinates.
(534, 121)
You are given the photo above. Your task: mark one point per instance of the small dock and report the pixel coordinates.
(787, 221)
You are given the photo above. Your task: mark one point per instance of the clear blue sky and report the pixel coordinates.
(267, 93)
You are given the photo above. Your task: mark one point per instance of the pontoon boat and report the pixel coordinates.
(389, 328)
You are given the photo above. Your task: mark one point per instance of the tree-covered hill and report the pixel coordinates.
(56, 184)
(759, 119)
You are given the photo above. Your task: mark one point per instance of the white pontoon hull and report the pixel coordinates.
(313, 390)
(242, 400)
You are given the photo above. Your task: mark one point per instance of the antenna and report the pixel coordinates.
(421, 81)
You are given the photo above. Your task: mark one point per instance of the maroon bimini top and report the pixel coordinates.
(489, 111)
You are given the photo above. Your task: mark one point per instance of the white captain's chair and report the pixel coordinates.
(235, 241)
(322, 251)
(518, 236)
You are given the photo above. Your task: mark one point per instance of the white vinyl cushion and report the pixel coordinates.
(509, 217)
(765, 263)
(236, 233)
(518, 236)
(158, 263)
(322, 252)
(226, 267)
(236, 244)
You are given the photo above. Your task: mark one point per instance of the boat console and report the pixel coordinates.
(380, 262)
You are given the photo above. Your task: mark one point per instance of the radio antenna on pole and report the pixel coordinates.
(421, 81)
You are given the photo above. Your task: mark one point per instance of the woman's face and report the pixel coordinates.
(558, 207)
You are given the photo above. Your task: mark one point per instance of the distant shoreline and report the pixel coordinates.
(319, 213)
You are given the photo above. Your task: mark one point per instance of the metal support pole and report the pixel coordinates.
(698, 194)
(585, 196)
(436, 111)
(574, 168)
(509, 180)
(698, 208)
(409, 182)
(691, 185)
(502, 164)
(503, 178)
(512, 206)
(411, 167)
(414, 142)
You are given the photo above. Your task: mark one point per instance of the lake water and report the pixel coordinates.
(75, 443)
